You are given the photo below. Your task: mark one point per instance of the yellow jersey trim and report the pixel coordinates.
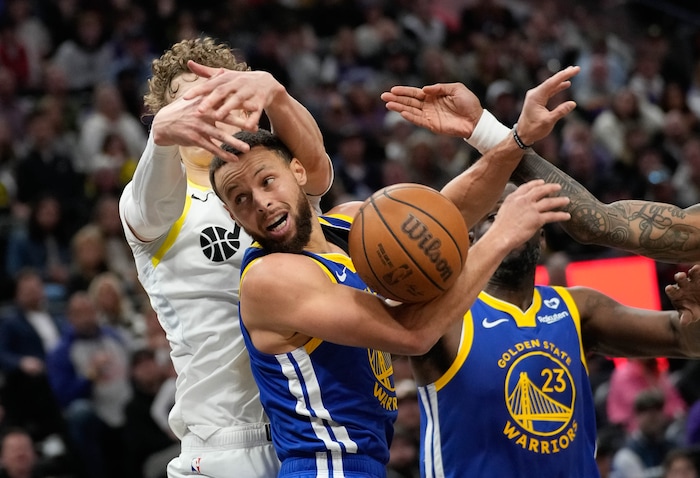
(312, 344)
(522, 319)
(576, 317)
(172, 234)
(344, 217)
(465, 346)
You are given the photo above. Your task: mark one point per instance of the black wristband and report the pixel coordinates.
(517, 139)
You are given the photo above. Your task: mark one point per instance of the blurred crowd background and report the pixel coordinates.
(72, 129)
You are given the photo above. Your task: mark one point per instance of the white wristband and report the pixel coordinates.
(487, 133)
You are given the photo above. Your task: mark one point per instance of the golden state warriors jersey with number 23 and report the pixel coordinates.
(516, 401)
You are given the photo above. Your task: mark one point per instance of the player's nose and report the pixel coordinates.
(263, 201)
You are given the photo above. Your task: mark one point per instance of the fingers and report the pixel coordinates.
(555, 83)
(204, 88)
(563, 109)
(679, 277)
(397, 102)
(202, 70)
(408, 91)
(562, 76)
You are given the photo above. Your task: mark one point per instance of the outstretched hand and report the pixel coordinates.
(444, 108)
(210, 112)
(536, 121)
(180, 123)
(238, 97)
(685, 294)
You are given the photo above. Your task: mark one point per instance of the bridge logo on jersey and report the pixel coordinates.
(220, 244)
(384, 389)
(539, 396)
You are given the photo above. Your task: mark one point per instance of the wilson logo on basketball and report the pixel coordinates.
(418, 232)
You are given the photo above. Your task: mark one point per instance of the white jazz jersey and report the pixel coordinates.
(201, 257)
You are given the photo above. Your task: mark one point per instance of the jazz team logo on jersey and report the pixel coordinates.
(219, 244)
(539, 396)
(384, 389)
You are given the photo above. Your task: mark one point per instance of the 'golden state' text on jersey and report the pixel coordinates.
(517, 398)
(332, 407)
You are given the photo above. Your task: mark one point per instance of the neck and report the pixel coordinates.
(198, 175)
(518, 294)
(318, 243)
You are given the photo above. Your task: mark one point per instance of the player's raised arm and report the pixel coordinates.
(228, 93)
(663, 232)
(477, 189)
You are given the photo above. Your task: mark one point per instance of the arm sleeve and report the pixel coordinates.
(155, 197)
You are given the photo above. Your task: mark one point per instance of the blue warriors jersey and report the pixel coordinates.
(516, 401)
(331, 407)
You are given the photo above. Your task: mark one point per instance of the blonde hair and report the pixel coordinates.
(173, 63)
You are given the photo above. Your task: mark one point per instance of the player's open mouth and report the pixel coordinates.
(278, 224)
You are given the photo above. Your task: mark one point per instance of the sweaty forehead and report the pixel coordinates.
(259, 161)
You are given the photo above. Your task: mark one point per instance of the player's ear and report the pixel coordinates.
(298, 171)
(229, 211)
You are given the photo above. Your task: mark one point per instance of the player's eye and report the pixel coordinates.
(240, 199)
(268, 180)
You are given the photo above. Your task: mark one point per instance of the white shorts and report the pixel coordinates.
(242, 452)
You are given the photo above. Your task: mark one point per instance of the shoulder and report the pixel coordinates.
(277, 270)
(347, 210)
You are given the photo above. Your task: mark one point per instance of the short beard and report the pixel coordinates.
(303, 233)
(518, 268)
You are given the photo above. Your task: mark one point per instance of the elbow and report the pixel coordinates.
(419, 343)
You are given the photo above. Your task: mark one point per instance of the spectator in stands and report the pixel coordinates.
(42, 245)
(46, 168)
(646, 446)
(89, 258)
(692, 425)
(86, 57)
(28, 333)
(33, 35)
(116, 310)
(146, 437)
(18, 457)
(13, 108)
(632, 377)
(627, 111)
(109, 117)
(681, 463)
(686, 179)
(89, 373)
(119, 258)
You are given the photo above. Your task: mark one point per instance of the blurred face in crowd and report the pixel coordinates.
(17, 455)
(30, 292)
(82, 314)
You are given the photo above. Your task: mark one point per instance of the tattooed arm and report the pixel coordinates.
(663, 232)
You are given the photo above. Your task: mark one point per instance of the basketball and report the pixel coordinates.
(408, 242)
